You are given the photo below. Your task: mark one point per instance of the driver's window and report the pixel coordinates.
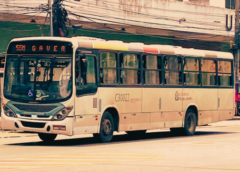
(85, 70)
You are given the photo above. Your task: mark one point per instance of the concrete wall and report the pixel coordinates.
(217, 3)
(160, 14)
(188, 16)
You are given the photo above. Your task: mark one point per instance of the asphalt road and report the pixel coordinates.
(215, 147)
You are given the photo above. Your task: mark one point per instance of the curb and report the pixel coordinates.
(15, 134)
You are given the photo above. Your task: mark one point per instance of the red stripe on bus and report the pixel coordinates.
(150, 50)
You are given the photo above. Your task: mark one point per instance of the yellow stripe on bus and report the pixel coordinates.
(110, 47)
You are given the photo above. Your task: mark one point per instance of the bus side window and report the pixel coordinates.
(88, 72)
(224, 73)
(209, 72)
(130, 69)
(191, 71)
(172, 73)
(85, 70)
(108, 71)
(152, 69)
(87, 75)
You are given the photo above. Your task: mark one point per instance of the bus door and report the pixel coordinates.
(86, 111)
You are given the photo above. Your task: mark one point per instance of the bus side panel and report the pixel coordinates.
(204, 98)
(226, 104)
(165, 106)
(206, 117)
(128, 101)
(225, 98)
(134, 121)
(206, 101)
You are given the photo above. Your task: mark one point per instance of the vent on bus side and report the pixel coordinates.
(34, 108)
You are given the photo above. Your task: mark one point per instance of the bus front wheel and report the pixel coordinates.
(106, 128)
(47, 137)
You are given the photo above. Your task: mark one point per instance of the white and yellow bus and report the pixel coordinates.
(85, 85)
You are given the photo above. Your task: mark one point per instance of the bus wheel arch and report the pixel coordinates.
(113, 111)
(106, 128)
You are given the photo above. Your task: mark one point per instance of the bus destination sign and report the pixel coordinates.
(40, 47)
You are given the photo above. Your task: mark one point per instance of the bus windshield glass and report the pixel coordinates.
(38, 79)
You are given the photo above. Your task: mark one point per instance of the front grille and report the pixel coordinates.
(25, 115)
(34, 108)
(33, 124)
(42, 116)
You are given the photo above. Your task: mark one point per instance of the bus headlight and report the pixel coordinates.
(60, 115)
(8, 112)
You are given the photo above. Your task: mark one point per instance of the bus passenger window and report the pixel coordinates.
(152, 69)
(172, 67)
(208, 68)
(130, 69)
(108, 71)
(224, 73)
(191, 71)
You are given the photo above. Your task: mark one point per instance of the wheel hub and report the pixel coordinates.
(106, 126)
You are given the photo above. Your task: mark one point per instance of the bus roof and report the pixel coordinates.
(98, 43)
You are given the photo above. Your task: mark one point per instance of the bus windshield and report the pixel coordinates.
(38, 79)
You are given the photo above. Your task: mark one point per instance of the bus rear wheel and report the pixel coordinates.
(47, 137)
(106, 128)
(190, 124)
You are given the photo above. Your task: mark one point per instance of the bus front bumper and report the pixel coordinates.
(38, 126)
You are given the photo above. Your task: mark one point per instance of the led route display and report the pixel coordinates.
(40, 47)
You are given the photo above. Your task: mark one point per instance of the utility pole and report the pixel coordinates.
(236, 42)
(51, 17)
(58, 19)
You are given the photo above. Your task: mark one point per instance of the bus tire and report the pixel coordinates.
(190, 123)
(106, 128)
(45, 137)
(136, 134)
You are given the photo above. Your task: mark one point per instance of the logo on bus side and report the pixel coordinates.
(182, 96)
(122, 97)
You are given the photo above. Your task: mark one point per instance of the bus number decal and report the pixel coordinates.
(122, 97)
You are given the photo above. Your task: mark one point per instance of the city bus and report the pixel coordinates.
(85, 85)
